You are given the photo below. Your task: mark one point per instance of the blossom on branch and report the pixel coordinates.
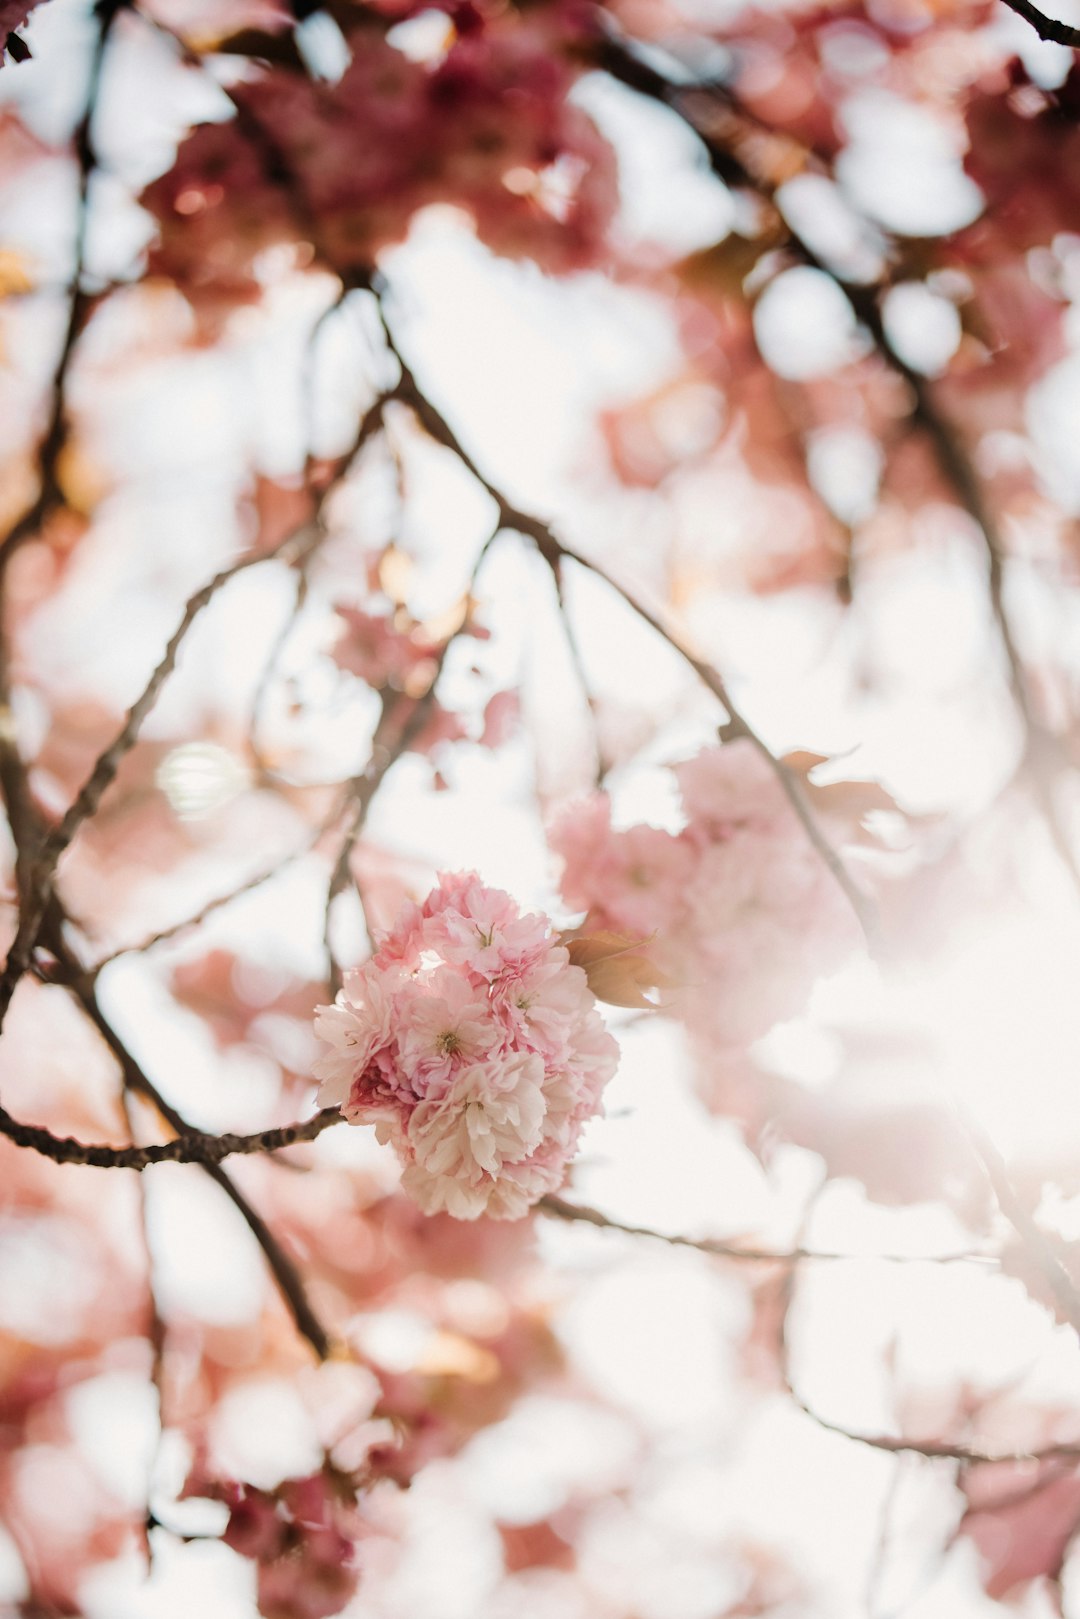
(745, 914)
(474, 1046)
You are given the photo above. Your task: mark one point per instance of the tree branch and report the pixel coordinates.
(558, 1208)
(554, 551)
(136, 1079)
(1060, 33)
(50, 495)
(618, 59)
(195, 1147)
(295, 547)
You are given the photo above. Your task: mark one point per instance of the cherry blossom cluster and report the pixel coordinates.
(485, 124)
(295, 1536)
(474, 1047)
(739, 909)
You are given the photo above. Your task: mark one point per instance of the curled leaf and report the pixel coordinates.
(618, 969)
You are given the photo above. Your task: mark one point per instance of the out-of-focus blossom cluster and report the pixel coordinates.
(13, 13)
(485, 125)
(475, 1048)
(300, 1537)
(739, 908)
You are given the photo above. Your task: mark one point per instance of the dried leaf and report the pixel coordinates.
(618, 970)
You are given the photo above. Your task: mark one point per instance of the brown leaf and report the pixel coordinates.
(848, 802)
(617, 969)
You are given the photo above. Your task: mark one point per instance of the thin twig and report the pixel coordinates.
(248, 886)
(573, 647)
(896, 1445)
(155, 1334)
(940, 1449)
(44, 860)
(220, 901)
(269, 670)
(195, 1147)
(391, 740)
(560, 1209)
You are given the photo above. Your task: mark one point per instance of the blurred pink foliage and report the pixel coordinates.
(431, 424)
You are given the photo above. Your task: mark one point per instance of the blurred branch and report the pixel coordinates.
(560, 1209)
(720, 137)
(296, 547)
(573, 647)
(388, 744)
(25, 824)
(554, 552)
(41, 865)
(248, 886)
(371, 422)
(932, 1449)
(939, 1450)
(155, 1333)
(50, 495)
(269, 670)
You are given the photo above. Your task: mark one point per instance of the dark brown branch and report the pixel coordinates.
(136, 1079)
(195, 1147)
(26, 827)
(284, 1271)
(1060, 33)
(108, 762)
(42, 864)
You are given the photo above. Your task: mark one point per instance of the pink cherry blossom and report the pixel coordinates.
(300, 1536)
(443, 1024)
(355, 1028)
(737, 908)
(474, 1047)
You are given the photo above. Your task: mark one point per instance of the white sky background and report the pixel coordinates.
(521, 366)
